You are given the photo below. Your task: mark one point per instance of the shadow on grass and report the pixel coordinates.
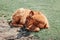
(23, 33)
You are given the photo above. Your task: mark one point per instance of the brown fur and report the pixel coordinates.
(19, 17)
(36, 21)
(32, 20)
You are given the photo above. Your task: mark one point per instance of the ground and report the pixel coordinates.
(51, 8)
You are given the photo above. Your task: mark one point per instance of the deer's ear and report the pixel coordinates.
(31, 13)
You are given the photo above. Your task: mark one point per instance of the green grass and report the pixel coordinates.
(51, 8)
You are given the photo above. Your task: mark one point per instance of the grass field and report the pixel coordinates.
(51, 8)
